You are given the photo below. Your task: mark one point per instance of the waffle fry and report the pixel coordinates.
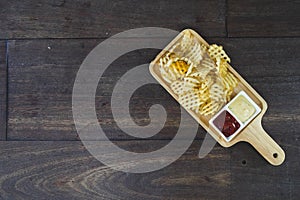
(180, 66)
(190, 100)
(209, 108)
(202, 73)
(191, 82)
(186, 43)
(177, 87)
(216, 52)
(217, 93)
(190, 49)
(228, 79)
(208, 63)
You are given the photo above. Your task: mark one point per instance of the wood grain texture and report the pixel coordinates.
(42, 72)
(254, 179)
(3, 92)
(41, 91)
(98, 19)
(266, 18)
(41, 82)
(65, 170)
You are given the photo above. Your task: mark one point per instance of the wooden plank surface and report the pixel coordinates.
(264, 47)
(98, 19)
(41, 82)
(49, 169)
(41, 77)
(3, 92)
(254, 179)
(268, 18)
(65, 170)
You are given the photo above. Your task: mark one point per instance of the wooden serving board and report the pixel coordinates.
(253, 133)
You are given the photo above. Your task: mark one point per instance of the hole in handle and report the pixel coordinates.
(275, 155)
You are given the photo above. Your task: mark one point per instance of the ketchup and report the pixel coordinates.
(226, 123)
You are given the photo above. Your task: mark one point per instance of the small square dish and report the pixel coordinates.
(235, 116)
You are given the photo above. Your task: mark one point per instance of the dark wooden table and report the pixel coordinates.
(42, 46)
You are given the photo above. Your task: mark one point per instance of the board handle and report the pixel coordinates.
(263, 143)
